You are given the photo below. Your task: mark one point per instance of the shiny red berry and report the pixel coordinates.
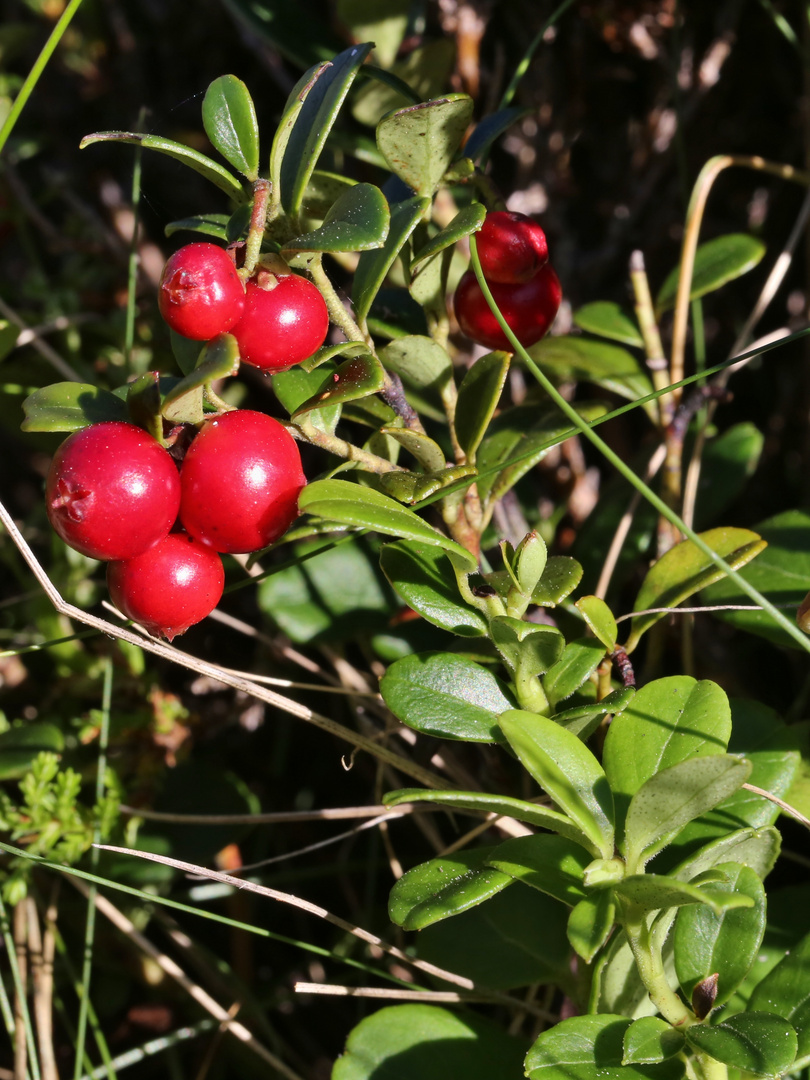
(285, 320)
(240, 482)
(528, 309)
(200, 294)
(112, 491)
(170, 587)
(511, 246)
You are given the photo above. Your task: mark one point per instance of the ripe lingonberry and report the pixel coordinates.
(511, 246)
(240, 482)
(170, 587)
(529, 309)
(112, 491)
(285, 320)
(200, 294)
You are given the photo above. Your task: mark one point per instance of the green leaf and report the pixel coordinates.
(307, 127)
(756, 1042)
(420, 141)
(186, 352)
(517, 440)
(599, 619)
(21, 743)
(427, 452)
(229, 119)
(296, 386)
(425, 70)
(419, 361)
(323, 191)
(144, 403)
(583, 719)
(349, 504)
(516, 938)
(215, 225)
(526, 647)
(724, 942)
(567, 358)
(403, 1041)
(785, 991)
(669, 720)
(446, 695)
(384, 24)
(592, 1048)
(468, 220)
(219, 359)
(655, 891)
(373, 266)
(616, 984)
(685, 570)
(674, 797)
(494, 804)
(553, 864)
(69, 406)
(424, 579)
(357, 221)
(490, 129)
(567, 771)
(650, 1040)
(756, 848)
(781, 573)
(579, 661)
(443, 887)
(478, 398)
(716, 262)
(729, 461)
(561, 576)
(412, 488)
(607, 319)
(590, 924)
(355, 378)
(211, 170)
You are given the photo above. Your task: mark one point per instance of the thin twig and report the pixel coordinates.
(450, 997)
(791, 811)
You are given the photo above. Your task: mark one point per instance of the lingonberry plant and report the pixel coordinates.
(629, 830)
(200, 293)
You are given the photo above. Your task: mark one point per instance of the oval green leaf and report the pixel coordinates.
(478, 398)
(716, 262)
(424, 578)
(215, 225)
(69, 406)
(229, 119)
(419, 361)
(785, 991)
(467, 221)
(420, 141)
(649, 1040)
(584, 360)
(219, 359)
(552, 864)
(599, 619)
(357, 221)
(579, 661)
(651, 892)
(607, 319)
(443, 887)
(590, 924)
(374, 265)
(355, 378)
(584, 719)
(756, 1042)
(592, 1048)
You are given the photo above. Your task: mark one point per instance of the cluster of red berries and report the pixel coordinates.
(514, 259)
(114, 493)
(278, 319)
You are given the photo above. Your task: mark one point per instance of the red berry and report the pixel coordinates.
(240, 482)
(511, 247)
(285, 321)
(170, 587)
(112, 491)
(529, 309)
(200, 293)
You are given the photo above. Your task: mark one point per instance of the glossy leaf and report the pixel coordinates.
(785, 991)
(757, 1042)
(447, 695)
(323, 191)
(349, 504)
(672, 798)
(186, 352)
(655, 891)
(323, 94)
(425, 70)
(201, 164)
(355, 378)
(296, 386)
(670, 720)
(605, 318)
(616, 984)
(599, 619)
(579, 661)
(373, 266)
(357, 221)
(418, 360)
(586, 360)
(229, 119)
(582, 720)
(650, 1040)
(215, 225)
(567, 771)
(219, 359)
(427, 452)
(420, 141)
(490, 129)
(684, 570)
(526, 647)
(590, 924)
(591, 1048)
(716, 262)
(468, 220)
(532, 813)
(144, 403)
(756, 848)
(424, 578)
(552, 864)
(408, 487)
(443, 887)
(69, 406)
(478, 398)
(516, 938)
(781, 573)
(403, 1041)
(725, 942)
(517, 440)
(560, 577)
